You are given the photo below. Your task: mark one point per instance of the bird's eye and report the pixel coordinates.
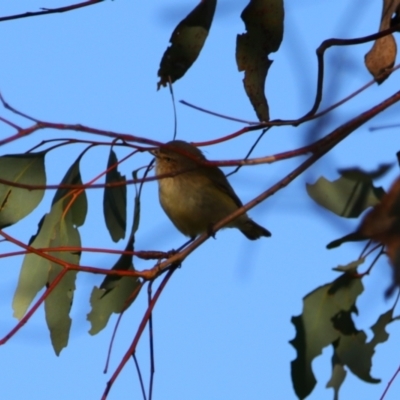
(168, 159)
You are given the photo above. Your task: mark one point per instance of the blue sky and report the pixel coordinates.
(222, 325)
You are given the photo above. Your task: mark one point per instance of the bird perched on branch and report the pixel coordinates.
(196, 196)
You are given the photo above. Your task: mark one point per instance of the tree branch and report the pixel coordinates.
(46, 11)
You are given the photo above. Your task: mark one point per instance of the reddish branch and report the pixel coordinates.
(341, 42)
(319, 149)
(312, 114)
(132, 347)
(70, 266)
(143, 254)
(32, 310)
(66, 267)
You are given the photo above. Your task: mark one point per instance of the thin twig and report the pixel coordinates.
(6, 121)
(15, 111)
(250, 151)
(139, 375)
(171, 90)
(151, 342)
(139, 332)
(46, 11)
(390, 383)
(204, 110)
(376, 128)
(112, 342)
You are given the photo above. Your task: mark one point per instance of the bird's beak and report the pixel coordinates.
(154, 152)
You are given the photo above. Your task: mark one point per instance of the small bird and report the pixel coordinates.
(197, 196)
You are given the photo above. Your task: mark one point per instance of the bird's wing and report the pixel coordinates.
(219, 179)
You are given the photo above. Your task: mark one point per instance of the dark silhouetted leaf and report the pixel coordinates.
(264, 25)
(351, 237)
(343, 321)
(357, 174)
(349, 195)
(17, 203)
(114, 201)
(315, 329)
(187, 40)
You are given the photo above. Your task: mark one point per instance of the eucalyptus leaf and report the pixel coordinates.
(114, 201)
(16, 202)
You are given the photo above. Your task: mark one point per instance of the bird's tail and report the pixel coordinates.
(252, 230)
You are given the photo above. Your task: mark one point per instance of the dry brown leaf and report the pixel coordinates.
(264, 25)
(381, 58)
(382, 225)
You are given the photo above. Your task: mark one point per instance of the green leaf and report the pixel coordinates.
(56, 229)
(187, 40)
(136, 212)
(315, 329)
(116, 300)
(124, 263)
(114, 201)
(264, 25)
(351, 267)
(35, 269)
(356, 354)
(16, 203)
(79, 205)
(379, 328)
(115, 294)
(351, 350)
(338, 376)
(349, 195)
(59, 302)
